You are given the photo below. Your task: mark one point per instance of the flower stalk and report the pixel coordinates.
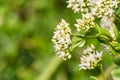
(102, 72)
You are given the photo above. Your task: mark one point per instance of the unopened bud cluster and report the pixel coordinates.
(86, 23)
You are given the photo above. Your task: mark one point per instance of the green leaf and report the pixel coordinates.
(112, 50)
(103, 39)
(78, 43)
(82, 43)
(117, 60)
(118, 11)
(94, 32)
(116, 46)
(116, 31)
(93, 78)
(116, 73)
(106, 33)
(104, 36)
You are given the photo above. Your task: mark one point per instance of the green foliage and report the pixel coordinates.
(116, 32)
(116, 73)
(117, 60)
(118, 11)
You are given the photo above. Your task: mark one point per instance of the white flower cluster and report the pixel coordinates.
(90, 58)
(62, 40)
(104, 8)
(77, 5)
(98, 8)
(90, 9)
(86, 23)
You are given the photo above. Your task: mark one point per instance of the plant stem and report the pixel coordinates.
(78, 35)
(77, 44)
(102, 72)
(107, 72)
(50, 69)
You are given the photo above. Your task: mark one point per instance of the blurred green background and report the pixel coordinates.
(26, 50)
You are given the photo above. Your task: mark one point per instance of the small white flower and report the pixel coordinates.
(86, 23)
(94, 1)
(105, 22)
(77, 5)
(104, 8)
(90, 58)
(62, 40)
